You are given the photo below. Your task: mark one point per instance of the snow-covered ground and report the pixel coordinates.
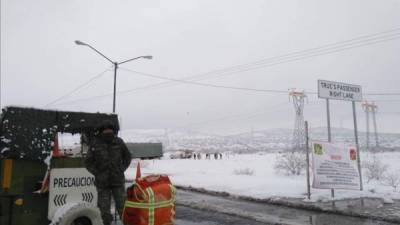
(254, 175)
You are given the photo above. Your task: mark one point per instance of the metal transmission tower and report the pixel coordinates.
(299, 138)
(166, 137)
(371, 108)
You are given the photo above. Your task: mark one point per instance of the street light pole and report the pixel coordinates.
(115, 64)
(115, 85)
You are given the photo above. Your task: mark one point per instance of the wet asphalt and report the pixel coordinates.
(202, 209)
(189, 216)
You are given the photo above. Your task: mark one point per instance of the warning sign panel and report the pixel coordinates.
(334, 166)
(70, 185)
(339, 91)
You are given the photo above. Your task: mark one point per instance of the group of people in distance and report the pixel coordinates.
(208, 156)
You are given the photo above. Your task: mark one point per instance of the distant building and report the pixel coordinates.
(145, 150)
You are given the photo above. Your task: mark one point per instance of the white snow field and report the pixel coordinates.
(253, 175)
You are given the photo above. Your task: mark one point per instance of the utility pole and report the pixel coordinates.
(370, 108)
(299, 135)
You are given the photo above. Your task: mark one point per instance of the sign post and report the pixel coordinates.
(308, 161)
(328, 120)
(357, 143)
(344, 92)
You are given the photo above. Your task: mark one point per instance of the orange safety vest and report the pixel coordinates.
(151, 201)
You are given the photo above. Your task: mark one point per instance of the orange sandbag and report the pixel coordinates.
(151, 201)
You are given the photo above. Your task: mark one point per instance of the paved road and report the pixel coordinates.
(189, 216)
(201, 209)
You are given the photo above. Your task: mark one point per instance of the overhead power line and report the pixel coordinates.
(205, 84)
(360, 41)
(174, 80)
(354, 42)
(308, 55)
(77, 88)
(302, 57)
(231, 87)
(290, 57)
(209, 85)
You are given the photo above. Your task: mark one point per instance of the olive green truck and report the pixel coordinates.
(38, 188)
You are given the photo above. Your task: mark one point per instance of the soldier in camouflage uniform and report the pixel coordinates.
(107, 159)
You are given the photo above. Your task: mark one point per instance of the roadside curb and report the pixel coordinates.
(292, 204)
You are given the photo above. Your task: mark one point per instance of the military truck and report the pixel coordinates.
(36, 187)
(145, 150)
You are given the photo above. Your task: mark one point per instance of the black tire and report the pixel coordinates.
(78, 214)
(82, 221)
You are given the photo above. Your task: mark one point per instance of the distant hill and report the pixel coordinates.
(261, 140)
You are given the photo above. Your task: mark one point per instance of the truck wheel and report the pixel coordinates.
(77, 214)
(82, 221)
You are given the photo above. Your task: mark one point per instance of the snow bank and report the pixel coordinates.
(263, 182)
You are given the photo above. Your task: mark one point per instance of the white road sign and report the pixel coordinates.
(339, 91)
(334, 166)
(70, 185)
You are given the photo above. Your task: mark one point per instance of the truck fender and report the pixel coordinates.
(71, 212)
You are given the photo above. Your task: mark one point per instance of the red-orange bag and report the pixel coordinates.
(151, 201)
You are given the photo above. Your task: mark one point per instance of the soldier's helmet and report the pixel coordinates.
(106, 124)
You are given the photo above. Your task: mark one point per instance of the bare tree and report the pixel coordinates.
(392, 180)
(375, 169)
(292, 163)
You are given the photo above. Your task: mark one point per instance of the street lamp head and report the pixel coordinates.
(80, 42)
(147, 57)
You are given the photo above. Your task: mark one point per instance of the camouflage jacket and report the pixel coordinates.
(108, 161)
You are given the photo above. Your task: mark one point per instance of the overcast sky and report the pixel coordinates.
(41, 63)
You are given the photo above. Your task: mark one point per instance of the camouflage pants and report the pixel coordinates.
(104, 202)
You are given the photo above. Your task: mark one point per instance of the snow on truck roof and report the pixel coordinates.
(28, 132)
